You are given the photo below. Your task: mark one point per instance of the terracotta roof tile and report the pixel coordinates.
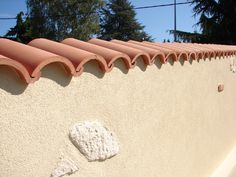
(33, 59)
(73, 54)
(18, 67)
(181, 53)
(167, 52)
(77, 56)
(109, 55)
(133, 53)
(200, 53)
(153, 53)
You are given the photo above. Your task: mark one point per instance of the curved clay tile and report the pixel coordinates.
(232, 49)
(202, 52)
(226, 49)
(19, 68)
(193, 53)
(181, 53)
(232, 53)
(77, 56)
(208, 52)
(109, 55)
(153, 53)
(199, 53)
(133, 53)
(31, 58)
(215, 52)
(28, 60)
(168, 53)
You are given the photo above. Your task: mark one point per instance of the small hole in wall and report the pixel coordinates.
(220, 87)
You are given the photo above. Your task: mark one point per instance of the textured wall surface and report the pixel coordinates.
(170, 120)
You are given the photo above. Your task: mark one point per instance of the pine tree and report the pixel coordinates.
(21, 31)
(217, 22)
(118, 22)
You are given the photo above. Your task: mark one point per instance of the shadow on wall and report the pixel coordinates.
(171, 61)
(13, 84)
(120, 64)
(158, 63)
(57, 73)
(182, 60)
(140, 64)
(10, 81)
(93, 68)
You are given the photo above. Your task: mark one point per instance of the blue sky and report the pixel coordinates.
(156, 20)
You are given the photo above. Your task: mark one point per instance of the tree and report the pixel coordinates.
(188, 36)
(217, 21)
(64, 18)
(21, 31)
(118, 22)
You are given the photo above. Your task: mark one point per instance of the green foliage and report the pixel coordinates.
(21, 31)
(118, 22)
(217, 22)
(166, 41)
(80, 19)
(187, 36)
(59, 19)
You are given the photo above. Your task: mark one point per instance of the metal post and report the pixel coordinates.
(175, 39)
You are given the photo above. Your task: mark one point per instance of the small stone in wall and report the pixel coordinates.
(220, 87)
(94, 140)
(64, 167)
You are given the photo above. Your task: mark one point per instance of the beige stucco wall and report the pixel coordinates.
(170, 120)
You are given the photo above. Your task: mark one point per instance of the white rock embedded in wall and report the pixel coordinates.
(64, 167)
(94, 140)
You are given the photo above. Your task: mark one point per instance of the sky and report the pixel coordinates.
(157, 21)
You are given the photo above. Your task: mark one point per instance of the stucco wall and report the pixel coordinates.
(170, 120)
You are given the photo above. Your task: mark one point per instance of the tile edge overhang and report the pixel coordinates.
(28, 60)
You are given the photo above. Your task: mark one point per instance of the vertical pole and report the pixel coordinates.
(175, 21)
